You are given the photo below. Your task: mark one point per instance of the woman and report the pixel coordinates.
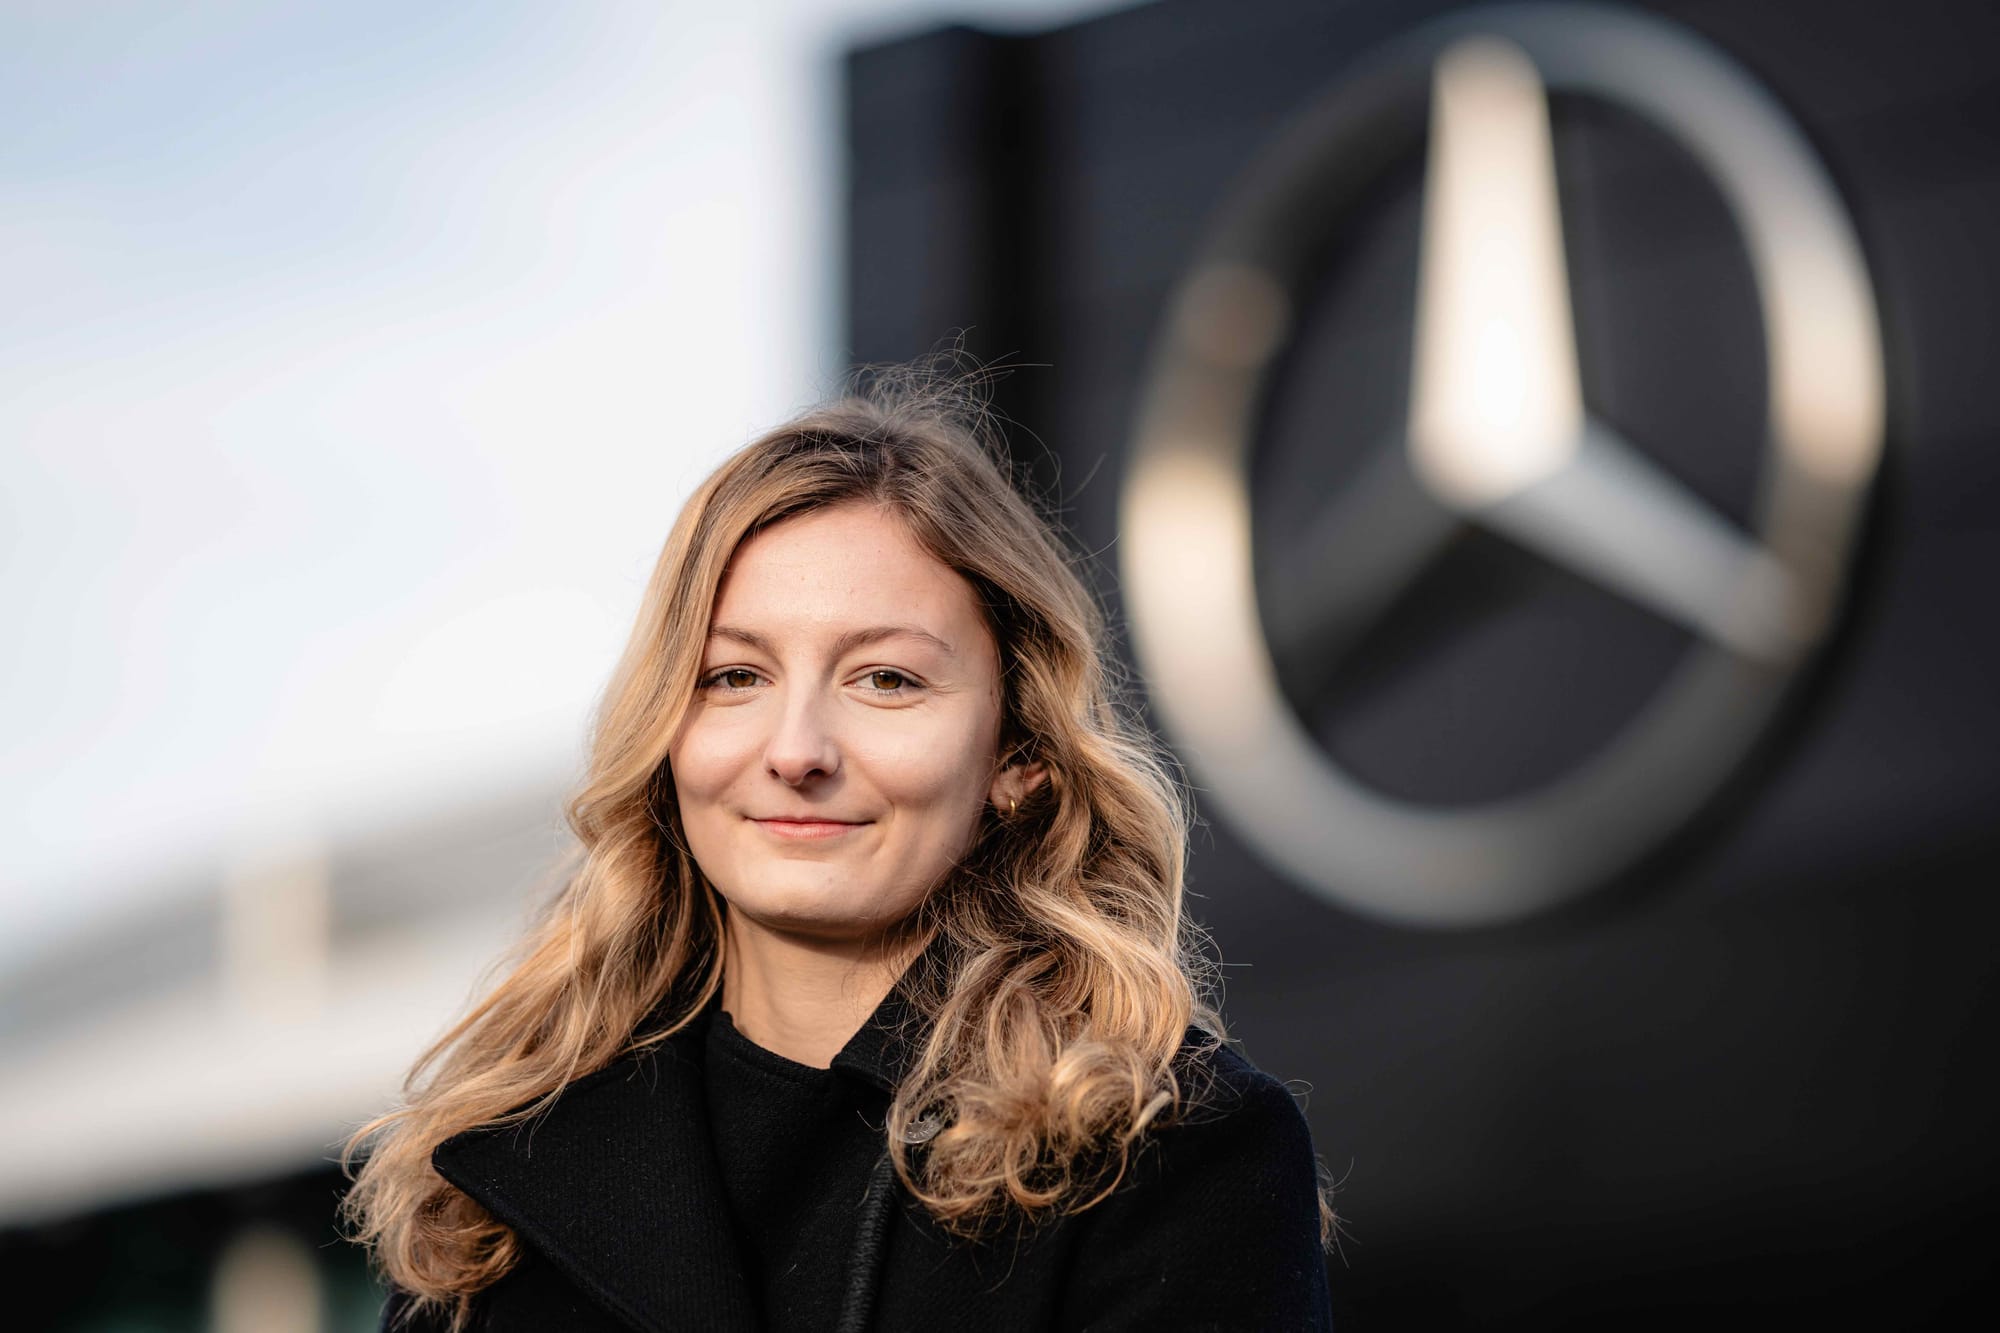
(872, 1002)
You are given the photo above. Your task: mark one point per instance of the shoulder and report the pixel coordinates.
(1215, 1223)
(1224, 1098)
(1236, 1141)
(1225, 1072)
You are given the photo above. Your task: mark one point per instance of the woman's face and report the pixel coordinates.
(845, 730)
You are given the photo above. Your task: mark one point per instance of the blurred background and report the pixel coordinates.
(356, 359)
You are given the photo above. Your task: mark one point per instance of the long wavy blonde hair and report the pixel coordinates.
(1051, 1042)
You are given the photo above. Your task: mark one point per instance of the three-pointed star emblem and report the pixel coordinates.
(1500, 435)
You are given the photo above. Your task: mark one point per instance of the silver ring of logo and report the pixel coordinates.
(1185, 518)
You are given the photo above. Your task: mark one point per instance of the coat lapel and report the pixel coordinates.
(616, 1185)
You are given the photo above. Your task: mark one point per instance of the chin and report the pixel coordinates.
(826, 911)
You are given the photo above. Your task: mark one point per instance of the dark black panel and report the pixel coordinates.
(1753, 1077)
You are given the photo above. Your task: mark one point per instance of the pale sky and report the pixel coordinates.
(353, 362)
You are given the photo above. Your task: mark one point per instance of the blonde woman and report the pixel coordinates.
(871, 1002)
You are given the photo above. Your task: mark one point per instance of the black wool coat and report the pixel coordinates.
(615, 1196)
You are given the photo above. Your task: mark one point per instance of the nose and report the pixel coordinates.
(801, 744)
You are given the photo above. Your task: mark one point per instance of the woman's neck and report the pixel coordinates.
(801, 996)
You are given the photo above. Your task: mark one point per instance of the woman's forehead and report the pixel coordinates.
(847, 572)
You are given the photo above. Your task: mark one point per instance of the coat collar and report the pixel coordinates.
(617, 1185)
(881, 1052)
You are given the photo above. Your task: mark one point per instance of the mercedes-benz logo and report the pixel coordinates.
(1500, 436)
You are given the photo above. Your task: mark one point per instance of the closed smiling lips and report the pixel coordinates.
(806, 826)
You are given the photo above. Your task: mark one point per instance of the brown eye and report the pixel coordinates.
(732, 678)
(888, 681)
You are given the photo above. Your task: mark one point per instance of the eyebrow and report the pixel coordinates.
(846, 643)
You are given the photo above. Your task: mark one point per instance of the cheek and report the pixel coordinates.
(705, 757)
(941, 776)
(704, 766)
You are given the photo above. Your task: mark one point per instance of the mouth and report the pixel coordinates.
(807, 830)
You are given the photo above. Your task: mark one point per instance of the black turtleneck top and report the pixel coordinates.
(794, 1146)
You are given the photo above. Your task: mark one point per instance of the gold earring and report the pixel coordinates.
(1012, 806)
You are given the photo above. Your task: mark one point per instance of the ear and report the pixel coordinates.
(1015, 782)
